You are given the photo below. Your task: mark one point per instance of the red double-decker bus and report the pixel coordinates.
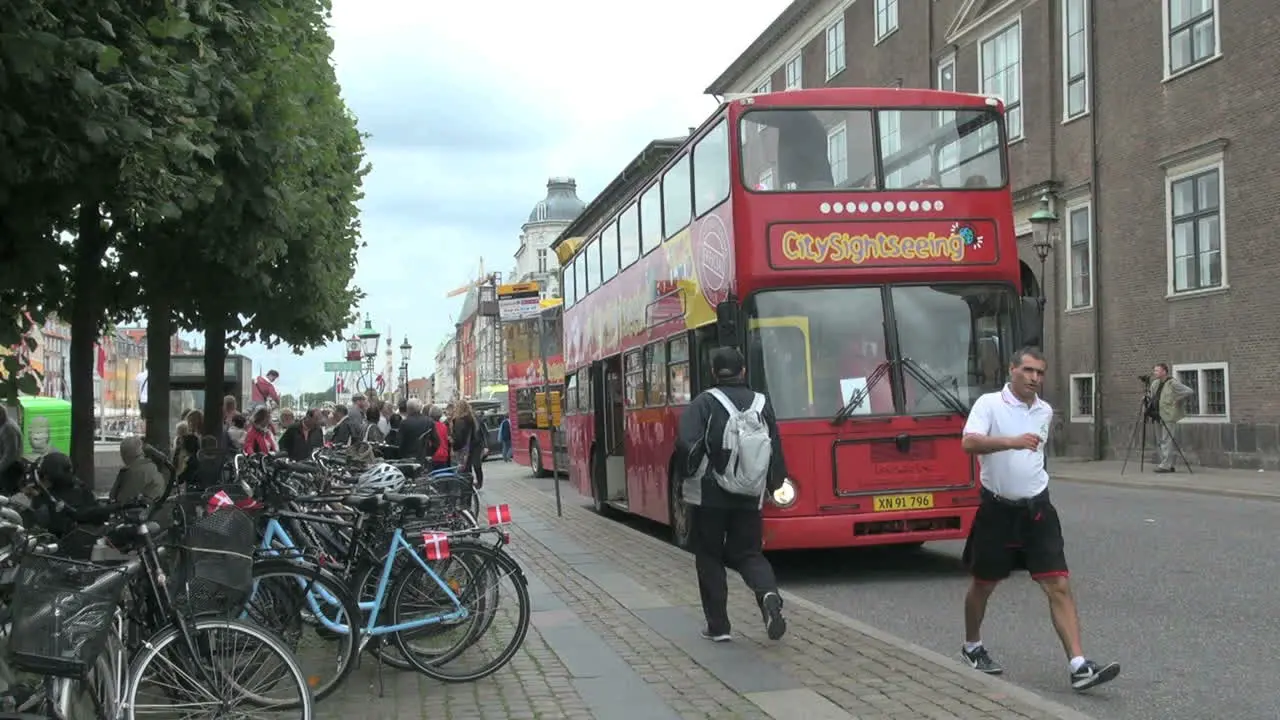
(536, 397)
(858, 245)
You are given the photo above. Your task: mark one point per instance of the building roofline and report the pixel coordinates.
(655, 154)
(777, 29)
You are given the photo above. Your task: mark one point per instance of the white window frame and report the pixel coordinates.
(796, 82)
(839, 129)
(1069, 265)
(1166, 39)
(765, 87)
(1077, 412)
(836, 54)
(982, 77)
(1200, 398)
(945, 116)
(1181, 172)
(1067, 115)
(883, 9)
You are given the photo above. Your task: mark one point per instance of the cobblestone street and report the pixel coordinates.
(615, 635)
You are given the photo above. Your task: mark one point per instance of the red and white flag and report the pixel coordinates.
(500, 514)
(435, 545)
(220, 500)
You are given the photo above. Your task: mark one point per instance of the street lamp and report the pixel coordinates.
(1044, 224)
(405, 351)
(369, 345)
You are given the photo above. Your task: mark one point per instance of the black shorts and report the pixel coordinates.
(1007, 537)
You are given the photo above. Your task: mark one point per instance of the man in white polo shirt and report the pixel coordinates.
(1016, 527)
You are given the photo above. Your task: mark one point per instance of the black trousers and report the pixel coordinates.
(728, 537)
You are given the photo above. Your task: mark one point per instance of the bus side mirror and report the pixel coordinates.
(1032, 325)
(727, 329)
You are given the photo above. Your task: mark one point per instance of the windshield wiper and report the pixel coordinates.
(860, 396)
(935, 387)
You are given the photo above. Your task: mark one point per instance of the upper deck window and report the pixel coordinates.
(919, 149)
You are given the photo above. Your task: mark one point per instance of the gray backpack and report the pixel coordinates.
(750, 448)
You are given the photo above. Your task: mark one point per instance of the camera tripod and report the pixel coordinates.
(1138, 438)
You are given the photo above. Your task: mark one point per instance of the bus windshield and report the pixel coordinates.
(790, 149)
(812, 349)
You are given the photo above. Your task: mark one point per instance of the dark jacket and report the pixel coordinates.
(346, 432)
(417, 437)
(299, 443)
(468, 436)
(701, 432)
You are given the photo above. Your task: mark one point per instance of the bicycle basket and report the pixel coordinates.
(215, 571)
(62, 614)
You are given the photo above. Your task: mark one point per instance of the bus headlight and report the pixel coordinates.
(785, 496)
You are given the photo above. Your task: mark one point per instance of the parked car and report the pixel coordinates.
(490, 414)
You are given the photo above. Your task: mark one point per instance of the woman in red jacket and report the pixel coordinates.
(260, 439)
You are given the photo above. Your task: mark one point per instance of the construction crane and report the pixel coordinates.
(482, 279)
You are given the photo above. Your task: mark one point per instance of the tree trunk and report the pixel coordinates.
(159, 332)
(215, 360)
(86, 314)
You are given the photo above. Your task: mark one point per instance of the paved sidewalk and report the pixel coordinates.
(619, 610)
(1254, 484)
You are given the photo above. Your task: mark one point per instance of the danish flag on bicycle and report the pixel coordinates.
(435, 545)
(499, 515)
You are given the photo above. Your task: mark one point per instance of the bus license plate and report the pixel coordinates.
(889, 503)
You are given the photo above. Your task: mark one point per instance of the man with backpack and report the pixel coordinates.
(732, 456)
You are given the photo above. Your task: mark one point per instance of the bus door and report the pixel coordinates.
(609, 463)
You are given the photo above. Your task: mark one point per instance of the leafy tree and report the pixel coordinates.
(103, 128)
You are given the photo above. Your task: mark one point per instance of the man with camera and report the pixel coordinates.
(1163, 403)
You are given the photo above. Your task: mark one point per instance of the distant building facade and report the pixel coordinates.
(534, 259)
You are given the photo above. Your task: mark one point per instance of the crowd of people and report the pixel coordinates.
(439, 437)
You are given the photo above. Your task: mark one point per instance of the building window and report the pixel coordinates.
(1000, 67)
(1082, 394)
(1191, 33)
(886, 18)
(835, 48)
(891, 143)
(1075, 59)
(1195, 229)
(838, 154)
(794, 79)
(542, 260)
(1079, 258)
(766, 87)
(1210, 383)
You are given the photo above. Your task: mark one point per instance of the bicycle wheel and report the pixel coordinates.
(496, 597)
(315, 614)
(211, 673)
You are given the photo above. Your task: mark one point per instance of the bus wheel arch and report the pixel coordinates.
(535, 459)
(679, 513)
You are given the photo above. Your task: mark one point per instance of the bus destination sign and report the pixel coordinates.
(882, 244)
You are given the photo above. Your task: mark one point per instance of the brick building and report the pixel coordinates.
(1149, 125)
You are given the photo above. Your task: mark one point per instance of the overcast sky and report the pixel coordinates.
(471, 109)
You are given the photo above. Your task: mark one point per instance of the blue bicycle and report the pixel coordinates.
(451, 596)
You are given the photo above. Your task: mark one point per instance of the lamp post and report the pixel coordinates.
(405, 350)
(1044, 224)
(369, 347)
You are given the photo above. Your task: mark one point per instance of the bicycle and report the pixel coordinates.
(71, 624)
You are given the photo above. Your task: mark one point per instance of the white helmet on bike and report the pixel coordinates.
(380, 478)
